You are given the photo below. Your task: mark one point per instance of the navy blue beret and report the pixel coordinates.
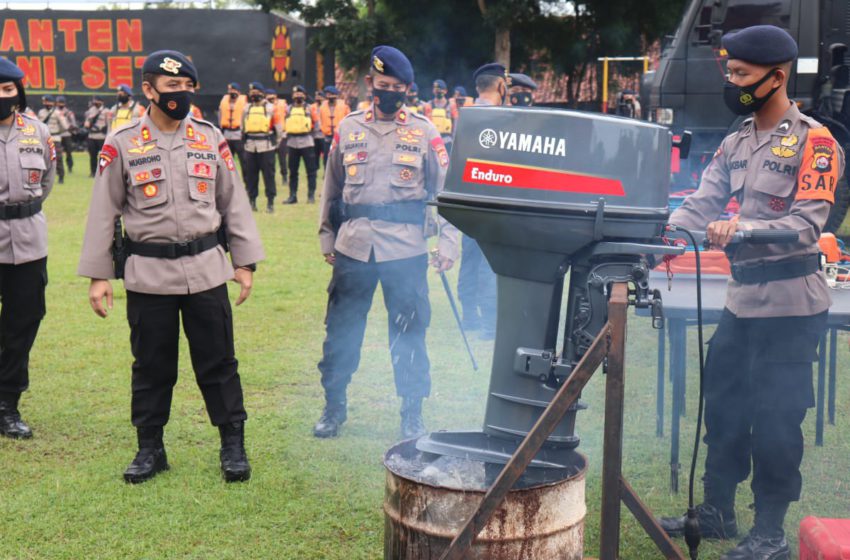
(125, 88)
(461, 90)
(390, 61)
(413, 88)
(440, 84)
(270, 91)
(48, 97)
(331, 90)
(60, 99)
(299, 89)
(170, 63)
(760, 44)
(97, 98)
(521, 80)
(257, 85)
(235, 85)
(491, 69)
(9, 71)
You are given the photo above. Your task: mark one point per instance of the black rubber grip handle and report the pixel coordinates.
(765, 236)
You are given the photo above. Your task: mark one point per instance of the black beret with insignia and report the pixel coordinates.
(170, 63)
(390, 61)
(760, 44)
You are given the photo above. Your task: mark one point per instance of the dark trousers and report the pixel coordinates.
(326, 149)
(310, 162)
(94, 149)
(256, 163)
(476, 285)
(350, 292)
(282, 149)
(22, 297)
(237, 148)
(318, 150)
(758, 385)
(68, 148)
(154, 338)
(60, 165)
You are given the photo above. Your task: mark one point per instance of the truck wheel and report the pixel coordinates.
(839, 209)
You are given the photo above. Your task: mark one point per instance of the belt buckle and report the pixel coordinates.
(183, 249)
(13, 211)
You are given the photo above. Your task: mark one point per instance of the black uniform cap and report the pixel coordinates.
(521, 80)
(760, 44)
(170, 63)
(491, 69)
(9, 71)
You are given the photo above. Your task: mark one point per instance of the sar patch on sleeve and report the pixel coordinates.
(107, 154)
(818, 177)
(335, 142)
(440, 149)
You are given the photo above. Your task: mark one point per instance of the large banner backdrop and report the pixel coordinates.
(82, 53)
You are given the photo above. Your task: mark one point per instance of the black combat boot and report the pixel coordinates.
(293, 199)
(766, 540)
(234, 461)
(716, 514)
(270, 206)
(151, 459)
(311, 197)
(11, 424)
(254, 204)
(333, 416)
(412, 425)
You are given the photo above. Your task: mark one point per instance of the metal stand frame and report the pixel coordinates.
(609, 347)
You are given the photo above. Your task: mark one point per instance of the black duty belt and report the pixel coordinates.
(255, 136)
(175, 250)
(18, 211)
(410, 212)
(776, 270)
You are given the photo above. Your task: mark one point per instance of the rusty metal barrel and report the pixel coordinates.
(537, 522)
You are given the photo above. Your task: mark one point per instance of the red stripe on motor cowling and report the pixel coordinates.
(539, 179)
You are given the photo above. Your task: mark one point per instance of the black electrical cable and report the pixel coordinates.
(692, 530)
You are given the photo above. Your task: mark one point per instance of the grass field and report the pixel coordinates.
(62, 496)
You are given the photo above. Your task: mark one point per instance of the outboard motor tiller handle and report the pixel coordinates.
(752, 236)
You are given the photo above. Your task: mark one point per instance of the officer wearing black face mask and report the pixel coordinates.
(782, 167)
(27, 168)
(127, 109)
(171, 179)
(521, 90)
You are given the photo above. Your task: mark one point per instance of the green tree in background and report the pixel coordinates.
(449, 39)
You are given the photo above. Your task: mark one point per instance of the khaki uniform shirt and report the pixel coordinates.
(268, 143)
(782, 179)
(169, 189)
(55, 121)
(27, 169)
(97, 122)
(382, 162)
(71, 118)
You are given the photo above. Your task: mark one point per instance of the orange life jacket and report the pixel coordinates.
(231, 117)
(330, 121)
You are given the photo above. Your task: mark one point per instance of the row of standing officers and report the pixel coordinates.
(168, 205)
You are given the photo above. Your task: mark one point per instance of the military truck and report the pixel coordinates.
(685, 92)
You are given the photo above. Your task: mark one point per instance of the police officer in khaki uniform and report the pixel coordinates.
(126, 111)
(67, 134)
(385, 163)
(57, 124)
(27, 167)
(441, 112)
(172, 179)
(95, 123)
(783, 168)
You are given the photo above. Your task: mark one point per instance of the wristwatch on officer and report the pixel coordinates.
(252, 267)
